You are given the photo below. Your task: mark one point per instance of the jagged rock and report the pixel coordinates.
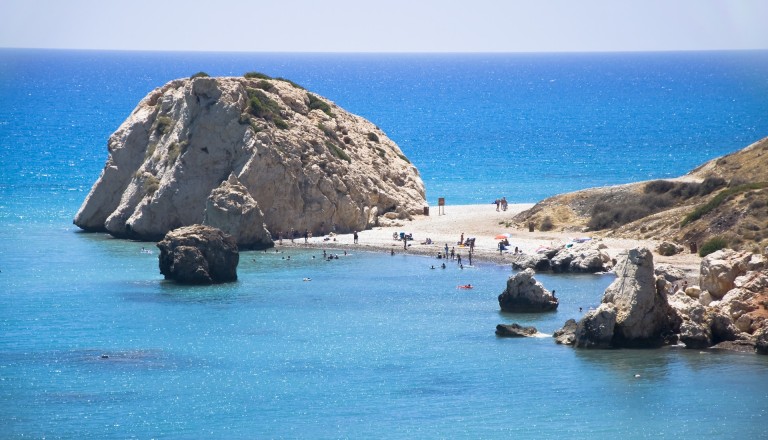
(761, 341)
(723, 328)
(198, 254)
(515, 330)
(695, 335)
(567, 334)
(588, 257)
(537, 262)
(231, 208)
(596, 328)
(668, 249)
(644, 316)
(736, 303)
(693, 291)
(740, 346)
(671, 274)
(308, 164)
(720, 269)
(525, 294)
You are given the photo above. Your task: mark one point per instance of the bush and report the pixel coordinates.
(712, 245)
(546, 224)
(262, 106)
(718, 200)
(199, 75)
(316, 103)
(151, 185)
(328, 131)
(163, 124)
(265, 85)
(613, 215)
(290, 82)
(338, 152)
(256, 75)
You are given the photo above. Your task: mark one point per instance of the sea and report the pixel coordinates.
(94, 344)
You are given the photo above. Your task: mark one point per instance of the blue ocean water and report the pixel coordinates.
(374, 346)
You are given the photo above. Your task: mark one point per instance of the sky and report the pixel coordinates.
(386, 25)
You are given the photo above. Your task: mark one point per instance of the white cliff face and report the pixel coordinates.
(308, 164)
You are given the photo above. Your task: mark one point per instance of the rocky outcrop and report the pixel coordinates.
(634, 311)
(515, 330)
(198, 254)
(720, 269)
(231, 208)
(306, 163)
(587, 257)
(667, 248)
(644, 316)
(525, 294)
(567, 334)
(596, 328)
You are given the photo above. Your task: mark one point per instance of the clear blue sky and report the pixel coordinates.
(386, 25)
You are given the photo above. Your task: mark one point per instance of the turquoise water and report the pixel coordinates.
(374, 346)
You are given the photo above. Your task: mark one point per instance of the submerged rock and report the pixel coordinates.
(198, 254)
(515, 330)
(525, 294)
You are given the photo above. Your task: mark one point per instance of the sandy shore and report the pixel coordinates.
(483, 223)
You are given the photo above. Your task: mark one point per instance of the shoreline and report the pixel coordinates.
(483, 223)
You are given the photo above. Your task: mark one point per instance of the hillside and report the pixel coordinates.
(724, 199)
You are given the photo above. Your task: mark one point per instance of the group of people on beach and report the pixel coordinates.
(501, 204)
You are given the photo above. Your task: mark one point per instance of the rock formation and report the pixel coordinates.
(596, 328)
(300, 160)
(740, 281)
(644, 316)
(646, 306)
(525, 294)
(198, 254)
(231, 208)
(634, 311)
(515, 330)
(587, 257)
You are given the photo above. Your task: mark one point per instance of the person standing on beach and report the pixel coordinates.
(461, 240)
(446, 250)
(354, 236)
(306, 236)
(453, 252)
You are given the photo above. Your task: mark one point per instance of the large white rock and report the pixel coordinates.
(643, 313)
(305, 168)
(720, 269)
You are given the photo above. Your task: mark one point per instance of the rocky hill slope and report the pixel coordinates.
(724, 200)
(252, 156)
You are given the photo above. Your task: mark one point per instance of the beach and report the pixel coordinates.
(484, 223)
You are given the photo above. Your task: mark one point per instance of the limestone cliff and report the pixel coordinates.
(306, 164)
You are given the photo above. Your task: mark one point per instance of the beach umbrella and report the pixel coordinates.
(503, 236)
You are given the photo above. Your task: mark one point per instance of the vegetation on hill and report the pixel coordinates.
(722, 203)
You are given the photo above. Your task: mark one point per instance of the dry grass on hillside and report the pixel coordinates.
(725, 198)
